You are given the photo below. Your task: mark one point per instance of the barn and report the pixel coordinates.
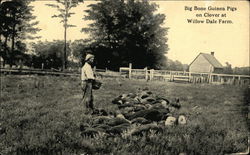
(206, 63)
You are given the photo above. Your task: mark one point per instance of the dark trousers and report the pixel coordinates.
(87, 99)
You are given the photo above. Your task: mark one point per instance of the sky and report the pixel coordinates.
(229, 40)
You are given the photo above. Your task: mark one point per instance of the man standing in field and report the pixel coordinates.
(87, 79)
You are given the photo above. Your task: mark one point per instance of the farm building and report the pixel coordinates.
(206, 63)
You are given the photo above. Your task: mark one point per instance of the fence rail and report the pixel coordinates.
(35, 71)
(100, 72)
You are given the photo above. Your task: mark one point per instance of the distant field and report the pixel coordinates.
(43, 114)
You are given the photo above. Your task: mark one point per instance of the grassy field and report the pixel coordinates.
(42, 115)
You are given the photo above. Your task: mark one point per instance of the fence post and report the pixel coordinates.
(171, 76)
(21, 64)
(151, 74)
(42, 66)
(209, 78)
(239, 81)
(189, 76)
(233, 80)
(130, 71)
(221, 80)
(146, 73)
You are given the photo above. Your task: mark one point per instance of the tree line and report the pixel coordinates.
(49, 53)
(228, 69)
(121, 32)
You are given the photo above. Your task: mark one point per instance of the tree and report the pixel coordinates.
(124, 32)
(78, 47)
(176, 65)
(242, 70)
(16, 25)
(228, 69)
(64, 7)
(4, 30)
(49, 53)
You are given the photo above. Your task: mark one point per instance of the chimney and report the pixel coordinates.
(212, 53)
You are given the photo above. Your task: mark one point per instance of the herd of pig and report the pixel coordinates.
(138, 114)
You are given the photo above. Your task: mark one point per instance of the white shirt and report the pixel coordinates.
(87, 72)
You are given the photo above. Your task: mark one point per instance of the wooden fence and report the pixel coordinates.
(128, 72)
(182, 76)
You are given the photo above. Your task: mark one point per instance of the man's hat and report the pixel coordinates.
(88, 56)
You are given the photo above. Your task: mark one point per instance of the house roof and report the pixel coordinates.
(211, 59)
